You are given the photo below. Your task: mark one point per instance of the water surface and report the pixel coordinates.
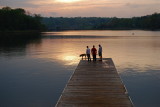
(33, 73)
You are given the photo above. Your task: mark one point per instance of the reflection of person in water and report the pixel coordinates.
(94, 53)
(88, 53)
(100, 52)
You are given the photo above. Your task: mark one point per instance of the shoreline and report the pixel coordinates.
(19, 34)
(99, 30)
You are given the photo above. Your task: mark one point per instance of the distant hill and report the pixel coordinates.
(75, 23)
(149, 22)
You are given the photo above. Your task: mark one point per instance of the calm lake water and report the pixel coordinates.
(33, 73)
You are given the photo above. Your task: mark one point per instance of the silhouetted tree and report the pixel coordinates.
(17, 19)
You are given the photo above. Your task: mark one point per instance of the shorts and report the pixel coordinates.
(88, 55)
(100, 53)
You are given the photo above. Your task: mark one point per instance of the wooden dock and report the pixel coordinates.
(95, 84)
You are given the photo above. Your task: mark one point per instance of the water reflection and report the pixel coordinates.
(35, 71)
(71, 60)
(16, 45)
(105, 33)
(138, 52)
(143, 86)
(58, 50)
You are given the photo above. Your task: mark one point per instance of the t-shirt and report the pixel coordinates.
(100, 50)
(87, 51)
(94, 51)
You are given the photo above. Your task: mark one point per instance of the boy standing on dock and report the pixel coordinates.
(94, 53)
(100, 52)
(88, 53)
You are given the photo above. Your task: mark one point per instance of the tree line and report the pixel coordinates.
(19, 20)
(149, 22)
(73, 23)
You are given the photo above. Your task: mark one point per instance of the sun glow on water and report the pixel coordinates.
(70, 58)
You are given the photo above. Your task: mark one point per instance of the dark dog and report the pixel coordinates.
(82, 55)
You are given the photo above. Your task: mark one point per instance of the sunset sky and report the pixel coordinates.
(86, 8)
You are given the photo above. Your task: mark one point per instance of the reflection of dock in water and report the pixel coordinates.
(95, 84)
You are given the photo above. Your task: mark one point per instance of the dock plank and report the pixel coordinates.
(95, 84)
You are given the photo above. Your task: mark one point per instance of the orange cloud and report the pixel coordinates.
(88, 8)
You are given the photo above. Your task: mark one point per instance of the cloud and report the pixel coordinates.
(133, 5)
(97, 8)
(53, 13)
(17, 3)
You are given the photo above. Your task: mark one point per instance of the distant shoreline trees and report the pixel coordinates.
(149, 22)
(19, 20)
